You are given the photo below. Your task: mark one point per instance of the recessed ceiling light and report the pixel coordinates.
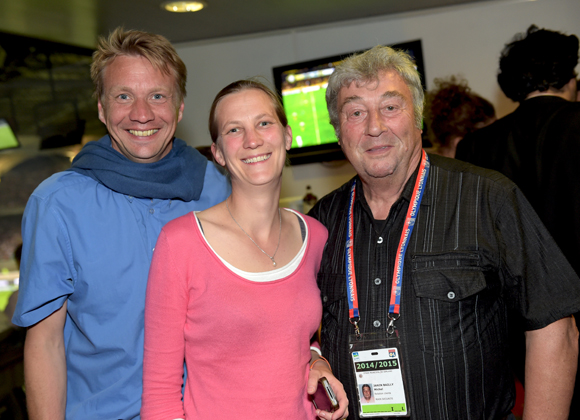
(183, 6)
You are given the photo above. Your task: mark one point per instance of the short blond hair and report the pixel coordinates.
(155, 48)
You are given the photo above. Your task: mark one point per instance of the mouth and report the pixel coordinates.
(378, 149)
(257, 158)
(145, 133)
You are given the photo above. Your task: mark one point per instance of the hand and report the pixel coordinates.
(319, 370)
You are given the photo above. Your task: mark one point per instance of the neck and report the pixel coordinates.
(568, 92)
(547, 93)
(381, 193)
(255, 209)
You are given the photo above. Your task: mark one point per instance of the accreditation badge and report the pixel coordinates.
(377, 368)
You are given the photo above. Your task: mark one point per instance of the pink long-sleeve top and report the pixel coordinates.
(246, 344)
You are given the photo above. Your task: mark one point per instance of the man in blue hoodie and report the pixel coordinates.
(89, 234)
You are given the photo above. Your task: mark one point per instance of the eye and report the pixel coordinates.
(159, 98)
(391, 110)
(123, 96)
(354, 111)
(357, 113)
(264, 123)
(234, 130)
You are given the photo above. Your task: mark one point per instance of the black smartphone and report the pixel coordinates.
(324, 398)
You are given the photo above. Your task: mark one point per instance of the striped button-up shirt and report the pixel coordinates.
(478, 252)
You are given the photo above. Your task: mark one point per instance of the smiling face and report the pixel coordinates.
(378, 134)
(140, 107)
(252, 142)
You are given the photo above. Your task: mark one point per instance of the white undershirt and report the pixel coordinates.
(265, 276)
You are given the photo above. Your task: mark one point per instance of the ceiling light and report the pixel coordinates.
(183, 6)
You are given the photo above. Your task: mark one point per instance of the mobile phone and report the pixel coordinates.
(324, 397)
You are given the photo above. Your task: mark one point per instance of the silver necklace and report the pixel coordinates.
(259, 247)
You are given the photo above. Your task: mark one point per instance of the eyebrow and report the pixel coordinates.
(386, 95)
(257, 117)
(393, 94)
(157, 89)
(348, 100)
(264, 115)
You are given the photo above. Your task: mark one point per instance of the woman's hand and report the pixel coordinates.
(317, 371)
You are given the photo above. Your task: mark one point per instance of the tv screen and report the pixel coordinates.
(302, 87)
(7, 138)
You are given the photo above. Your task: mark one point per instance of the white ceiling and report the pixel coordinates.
(79, 22)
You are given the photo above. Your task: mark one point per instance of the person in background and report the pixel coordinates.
(538, 145)
(452, 111)
(424, 257)
(244, 319)
(89, 234)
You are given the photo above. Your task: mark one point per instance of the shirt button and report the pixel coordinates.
(377, 281)
(325, 299)
(451, 295)
(151, 211)
(377, 324)
(380, 240)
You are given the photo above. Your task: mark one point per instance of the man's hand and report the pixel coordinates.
(319, 370)
(45, 368)
(551, 359)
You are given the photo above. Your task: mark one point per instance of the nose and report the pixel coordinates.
(141, 111)
(252, 140)
(376, 124)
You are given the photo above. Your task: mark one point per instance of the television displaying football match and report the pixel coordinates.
(303, 95)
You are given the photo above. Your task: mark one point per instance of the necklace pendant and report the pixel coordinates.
(274, 263)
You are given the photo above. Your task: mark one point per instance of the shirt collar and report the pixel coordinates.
(406, 194)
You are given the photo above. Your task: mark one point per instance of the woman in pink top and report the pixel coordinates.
(232, 290)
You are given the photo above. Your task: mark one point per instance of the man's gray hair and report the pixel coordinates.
(364, 68)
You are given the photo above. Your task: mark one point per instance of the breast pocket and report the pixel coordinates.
(454, 305)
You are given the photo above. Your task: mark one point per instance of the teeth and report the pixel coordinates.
(146, 133)
(257, 158)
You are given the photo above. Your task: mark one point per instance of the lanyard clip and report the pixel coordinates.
(354, 321)
(391, 327)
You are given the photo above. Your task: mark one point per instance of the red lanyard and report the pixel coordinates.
(352, 296)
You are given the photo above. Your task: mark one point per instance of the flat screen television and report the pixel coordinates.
(7, 138)
(302, 87)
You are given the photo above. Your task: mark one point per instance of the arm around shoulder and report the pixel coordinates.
(45, 368)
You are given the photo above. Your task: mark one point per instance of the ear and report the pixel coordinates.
(180, 112)
(217, 154)
(288, 137)
(101, 112)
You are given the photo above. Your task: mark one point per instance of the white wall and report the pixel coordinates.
(465, 39)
